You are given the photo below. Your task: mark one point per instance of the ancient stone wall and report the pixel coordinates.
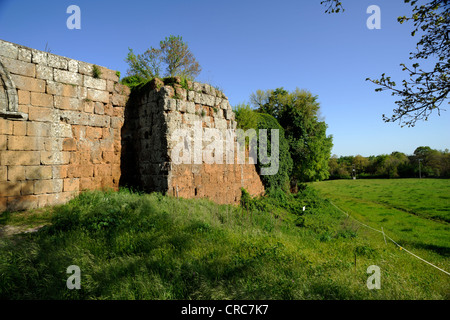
(152, 117)
(60, 127)
(65, 128)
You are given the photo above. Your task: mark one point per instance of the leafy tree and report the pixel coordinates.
(433, 163)
(173, 54)
(179, 59)
(270, 101)
(246, 119)
(360, 163)
(146, 65)
(424, 91)
(298, 113)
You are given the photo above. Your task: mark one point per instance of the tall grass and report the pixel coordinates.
(135, 246)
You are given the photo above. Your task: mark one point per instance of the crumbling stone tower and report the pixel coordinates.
(153, 114)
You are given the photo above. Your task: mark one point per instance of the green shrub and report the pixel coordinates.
(133, 81)
(96, 72)
(246, 119)
(285, 163)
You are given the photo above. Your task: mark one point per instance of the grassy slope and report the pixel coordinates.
(132, 246)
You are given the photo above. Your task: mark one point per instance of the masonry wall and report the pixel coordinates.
(153, 115)
(60, 128)
(64, 130)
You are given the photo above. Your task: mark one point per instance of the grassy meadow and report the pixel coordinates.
(148, 246)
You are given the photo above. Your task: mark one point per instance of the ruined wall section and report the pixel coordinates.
(156, 112)
(60, 127)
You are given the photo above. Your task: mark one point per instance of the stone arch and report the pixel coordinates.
(8, 96)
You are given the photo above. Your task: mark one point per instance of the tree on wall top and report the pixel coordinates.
(424, 91)
(173, 55)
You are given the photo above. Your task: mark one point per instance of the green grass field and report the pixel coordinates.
(136, 246)
(414, 212)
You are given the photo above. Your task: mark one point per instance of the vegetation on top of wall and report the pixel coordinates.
(173, 55)
(96, 72)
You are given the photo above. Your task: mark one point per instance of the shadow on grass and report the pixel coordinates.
(440, 250)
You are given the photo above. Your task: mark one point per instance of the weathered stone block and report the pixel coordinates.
(118, 100)
(24, 97)
(96, 120)
(25, 143)
(73, 65)
(97, 95)
(8, 50)
(10, 188)
(71, 185)
(3, 173)
(44, 72)
(99, 108)
(67, 103)
(85, 68)
(90, 82)
(19, 158)
(39, 57)
(41, 100)
(57, 61)
(40, 129)
(38, 172)
(28, 84)
(94, 133)
(19, 67)
(69, 144)
(19, 128)
(40, 114)
(48, 186)
(50, 157)
(117, 122)
(16, 173)
(67, 77)
(102, 170)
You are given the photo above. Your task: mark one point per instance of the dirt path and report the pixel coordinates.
(7, 231)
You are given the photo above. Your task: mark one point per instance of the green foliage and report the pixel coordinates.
(134, 81)
(173, 55)
(433, 164)
(118, 74)
(285, 163)
(144, 66)
(178, 58)
(96, 72)
(298, 113)
(247, 119)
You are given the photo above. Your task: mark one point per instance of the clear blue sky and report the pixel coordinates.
(247, 45)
